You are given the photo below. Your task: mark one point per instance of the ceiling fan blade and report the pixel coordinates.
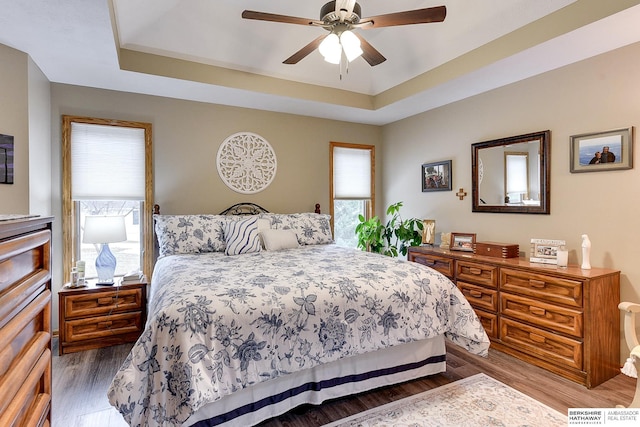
(369, 53)
(418, 16)
(302, 53)
(272, 17)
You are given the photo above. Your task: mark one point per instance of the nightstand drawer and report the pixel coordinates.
(550, 316)
(541, 286)
(542, 344)
(96, 303)
(103, 326)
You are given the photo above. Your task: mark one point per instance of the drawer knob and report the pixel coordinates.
(536, 338)
(475, 271)
(106, 324)
(475, 294)
(537, 311)
(537, 283)
(106, 300)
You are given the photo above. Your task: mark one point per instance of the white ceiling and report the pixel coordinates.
(203, 50)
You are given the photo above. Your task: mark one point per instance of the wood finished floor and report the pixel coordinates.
(81, 380)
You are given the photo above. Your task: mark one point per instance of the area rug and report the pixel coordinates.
(474, 401)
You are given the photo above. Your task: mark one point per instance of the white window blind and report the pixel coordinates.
(107, 162)
(351, 173)
(516, 173)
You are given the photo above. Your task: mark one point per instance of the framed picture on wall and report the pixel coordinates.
(6, 159)
(602, 151)
(436, 176)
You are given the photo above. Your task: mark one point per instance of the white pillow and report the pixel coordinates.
(242, 237)
(275, 240)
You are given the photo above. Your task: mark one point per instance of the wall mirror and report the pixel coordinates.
(511, 175)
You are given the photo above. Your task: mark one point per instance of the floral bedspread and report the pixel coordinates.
(217, 323)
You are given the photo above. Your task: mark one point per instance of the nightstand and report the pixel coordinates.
(101, 316)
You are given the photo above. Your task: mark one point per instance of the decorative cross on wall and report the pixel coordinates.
(461, 193)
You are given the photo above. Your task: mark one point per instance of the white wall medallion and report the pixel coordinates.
(246, 163)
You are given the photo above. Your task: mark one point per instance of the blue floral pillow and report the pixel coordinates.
(189, 234)
(242, 237)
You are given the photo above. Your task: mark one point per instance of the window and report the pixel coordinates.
(352, 189)
(107, 170)
(516, 176)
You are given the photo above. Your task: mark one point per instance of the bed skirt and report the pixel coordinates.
(269, 399)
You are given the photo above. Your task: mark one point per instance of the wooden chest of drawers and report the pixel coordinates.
(565, 320)
(100, 316)
(25, 322)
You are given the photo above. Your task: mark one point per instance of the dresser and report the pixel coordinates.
(25, 321)
(565, 320)
(100, 316)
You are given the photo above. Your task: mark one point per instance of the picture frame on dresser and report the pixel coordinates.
(602, 151)
(545, 251)
(436, 176)
(462, 242)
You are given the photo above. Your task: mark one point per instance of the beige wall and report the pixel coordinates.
(14, 198)
(39, 141)
(186, 137)
(594, 95)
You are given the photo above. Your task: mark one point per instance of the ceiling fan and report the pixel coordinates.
(340, 17)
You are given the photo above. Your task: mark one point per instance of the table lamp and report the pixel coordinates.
(102, 229)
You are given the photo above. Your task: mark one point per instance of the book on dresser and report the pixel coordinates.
(565, 320)
(133, 277)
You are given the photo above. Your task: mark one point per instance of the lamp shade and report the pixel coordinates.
(330, 49)
(104, 229)
(351, 45)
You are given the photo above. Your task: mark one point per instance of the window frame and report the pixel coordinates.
(370, 204)
(70, 213)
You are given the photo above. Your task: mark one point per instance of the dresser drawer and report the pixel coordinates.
(440, 264)
(480, 274)
(489, 322)
(103, 326)
(541, 286)
(479, 297)
(97, 303)
(560, 319)
(541, 344)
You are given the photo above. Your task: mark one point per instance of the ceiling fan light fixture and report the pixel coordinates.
(331, 49)
(351, 45)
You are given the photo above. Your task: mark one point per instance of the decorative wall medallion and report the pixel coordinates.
(246, 163)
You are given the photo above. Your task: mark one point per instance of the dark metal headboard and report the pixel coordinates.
(244, 209)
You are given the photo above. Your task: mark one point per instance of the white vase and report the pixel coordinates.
(586, 252)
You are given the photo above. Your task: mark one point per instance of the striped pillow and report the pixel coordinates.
(242, 237)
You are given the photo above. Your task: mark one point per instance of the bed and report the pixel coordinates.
(251, 315)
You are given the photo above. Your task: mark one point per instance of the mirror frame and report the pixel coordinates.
(545, 174)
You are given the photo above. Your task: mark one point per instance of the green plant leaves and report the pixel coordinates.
(395, 237)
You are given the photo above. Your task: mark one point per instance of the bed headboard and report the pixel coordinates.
(244, 209)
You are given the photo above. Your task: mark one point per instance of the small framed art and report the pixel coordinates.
(436, 176)
(428, 231)
(602, 151)
(545, 251)
(6, 159)
(462, 242)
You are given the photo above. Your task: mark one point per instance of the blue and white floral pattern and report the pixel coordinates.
(194, 234)
(218, 324)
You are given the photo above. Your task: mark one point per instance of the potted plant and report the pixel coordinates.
(392, 238)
